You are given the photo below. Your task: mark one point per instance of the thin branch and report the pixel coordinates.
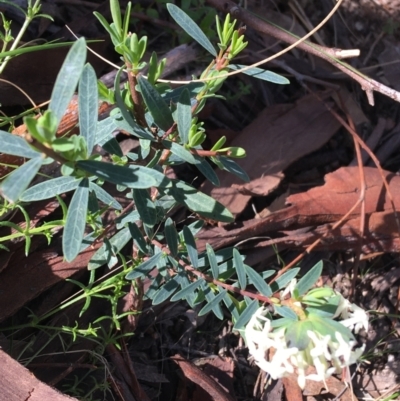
(138, 109)
(49, 152)
(209, 279)
(332, 56)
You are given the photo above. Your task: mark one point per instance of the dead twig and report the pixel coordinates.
(333, 56)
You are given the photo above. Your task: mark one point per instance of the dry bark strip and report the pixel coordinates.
(219, 369)
(197, 376)
(125, 371)
(322, 205)
(381, 235)
(19, 384)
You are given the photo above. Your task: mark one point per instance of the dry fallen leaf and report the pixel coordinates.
(282, 135)
(326, 204)
(219, 369)
(197, 376)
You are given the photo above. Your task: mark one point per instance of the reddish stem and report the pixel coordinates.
(209, 279)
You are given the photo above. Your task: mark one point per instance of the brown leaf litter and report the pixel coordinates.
(327, 204)
(274, 140)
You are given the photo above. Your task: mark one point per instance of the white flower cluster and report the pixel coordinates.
(327, 354)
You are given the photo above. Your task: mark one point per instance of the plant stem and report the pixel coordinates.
(138, 109)
(209, 279)
(21, 33)
(44, 149)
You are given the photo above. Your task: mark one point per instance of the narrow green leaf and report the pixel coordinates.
(184, 116)
(104, 196)
(231, 306)
(282, 281)
(190, 27)
(74, 229)
(62, 145)
(246, 315)
(284, 311)
(155, 103)
(93, 205)
(138, 238)
(67, 78)
(181, 152)
(107, 27)
(123, 219)
(131, 127)
(16, 183)
(194, 228)
(88, 240)
(330, 327)
(198, 202)
(155, 283)
(212, 305)
(240, 269)
(191, 247)
(112, 147)
(88, 106)
(210, 296)
(108, 249)
(190, 289)
(144, 268)
(281, 322)
(258, 282)
(309, 279)
(259, 73)
(213, 261)
(326, 311)
(208, 172)
(145, 206)
(104, 130)
(173, 95)
(171, 235)
(190, 297)
(166, 290)
(14, 145)
(234, 168)
(50, 188)
(267, 274)
(131, 177)
(319, 293)
(116, 15)
(31, 49)
(221, 256)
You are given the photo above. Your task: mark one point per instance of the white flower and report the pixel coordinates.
(328, 354)
(343, 307)
(356, 320)
(260, 340)
(321, 345)
(289, 289)
(352, 316)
